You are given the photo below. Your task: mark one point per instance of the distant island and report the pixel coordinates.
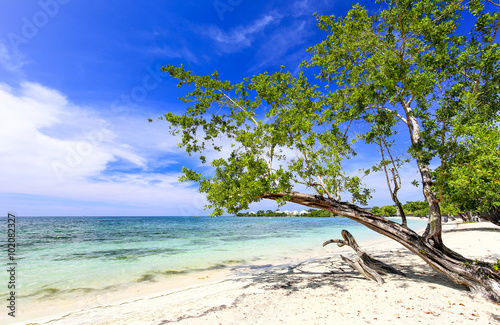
(286, 213)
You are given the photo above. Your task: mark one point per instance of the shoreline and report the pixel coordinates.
(260, 292)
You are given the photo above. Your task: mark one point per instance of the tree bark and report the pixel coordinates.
(361, 267)
(365, 264)
(478, 277)
(493, 216)
(434, 229)
(466, 216)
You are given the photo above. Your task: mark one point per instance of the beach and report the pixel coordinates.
(319, 289)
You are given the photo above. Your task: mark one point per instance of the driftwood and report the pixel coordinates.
(369, 267)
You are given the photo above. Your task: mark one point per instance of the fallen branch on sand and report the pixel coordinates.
(369, 267)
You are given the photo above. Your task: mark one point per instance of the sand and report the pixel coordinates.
(310, 290)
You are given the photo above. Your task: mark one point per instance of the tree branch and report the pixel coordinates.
(493, 3)
(405, 121)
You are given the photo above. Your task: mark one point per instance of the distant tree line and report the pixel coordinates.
(271, 213)
(417, 209)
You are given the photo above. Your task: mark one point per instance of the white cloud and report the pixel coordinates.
(11, 62)
(278, 47)
(172, 53)
(242, 36)
(54, 149)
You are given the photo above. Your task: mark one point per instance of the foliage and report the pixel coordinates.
(320, 213)
(377, 210)
(270, 213)
(449, 209)
(410, 64)
(389, 210)
(470, 178)
(411, 206)
(421, 212)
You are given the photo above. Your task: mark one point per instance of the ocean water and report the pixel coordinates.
(65, 255)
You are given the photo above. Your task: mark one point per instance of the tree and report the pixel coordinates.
(411, 206)
(449, 209)
(421, 212)
(376, 210)
(319, 213)
(469, 180)
(389, 210)
(409, 65)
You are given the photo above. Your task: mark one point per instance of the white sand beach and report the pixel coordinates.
(319, 289)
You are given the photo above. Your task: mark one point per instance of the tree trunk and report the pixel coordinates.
(493, 216)
(434, 230)
(478, 277)
(402, 214)
(466, 216)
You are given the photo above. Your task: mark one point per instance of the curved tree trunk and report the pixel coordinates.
(479, 277)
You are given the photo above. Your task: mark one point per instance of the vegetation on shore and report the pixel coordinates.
(271, 213)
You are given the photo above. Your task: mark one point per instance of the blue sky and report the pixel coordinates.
(79, 79)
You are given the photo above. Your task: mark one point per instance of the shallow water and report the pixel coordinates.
(79, 255)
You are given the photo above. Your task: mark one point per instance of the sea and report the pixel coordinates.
(59, 256)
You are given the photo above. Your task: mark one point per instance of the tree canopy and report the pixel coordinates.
(409, 64)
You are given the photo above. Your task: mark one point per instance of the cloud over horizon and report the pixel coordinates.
(52, 148)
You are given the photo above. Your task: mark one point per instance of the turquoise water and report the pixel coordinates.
(70, 254)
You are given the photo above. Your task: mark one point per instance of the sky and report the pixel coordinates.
(79, 80)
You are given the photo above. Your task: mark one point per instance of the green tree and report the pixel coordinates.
(411, 206)
(389, 210)
(421, 212)
(376, 210)
(409, 65)
(469, 179)
(449, 209)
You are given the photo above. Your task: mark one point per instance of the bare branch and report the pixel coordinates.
(493, 3)
(321, 183)
(399, 116)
